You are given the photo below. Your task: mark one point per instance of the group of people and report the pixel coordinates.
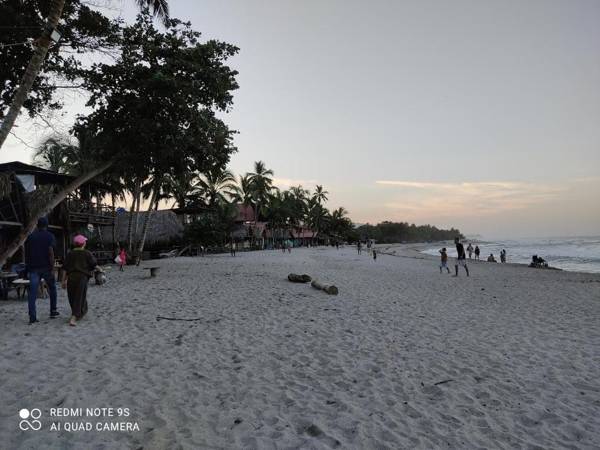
(78, 267)
(370, 250)
(461, 259)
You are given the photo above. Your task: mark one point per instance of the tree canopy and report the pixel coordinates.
(21, 22)
(396, 232)
(154, 107)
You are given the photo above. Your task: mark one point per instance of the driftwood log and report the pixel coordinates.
(331, 290)
(295, 278)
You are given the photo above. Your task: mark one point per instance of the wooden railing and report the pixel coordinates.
(90, 212)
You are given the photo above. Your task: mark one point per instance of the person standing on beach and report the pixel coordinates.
(79, 268)
(461, 258)
(477, 252)
(233, 245)
(359, 247)
(470, 250)
(39, 259)
(444, 260)
(503, 256)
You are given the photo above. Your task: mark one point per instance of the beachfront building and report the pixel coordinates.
(165, 231)
(24, 187)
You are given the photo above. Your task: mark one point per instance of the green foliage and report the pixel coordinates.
(83, 30)
(214, 227)
(394, 232)
(154, 107)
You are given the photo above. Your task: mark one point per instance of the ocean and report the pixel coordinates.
(580, 254)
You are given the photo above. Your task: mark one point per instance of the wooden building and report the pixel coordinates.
(24, 185)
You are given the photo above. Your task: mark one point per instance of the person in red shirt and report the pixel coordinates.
(123, 259)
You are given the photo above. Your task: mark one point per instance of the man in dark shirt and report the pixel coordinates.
(39, 257)
(461, 258)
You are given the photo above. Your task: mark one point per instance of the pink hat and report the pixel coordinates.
(80, 239)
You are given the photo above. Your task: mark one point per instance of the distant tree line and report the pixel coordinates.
(397, 232)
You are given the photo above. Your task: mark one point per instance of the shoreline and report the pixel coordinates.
(418, 248)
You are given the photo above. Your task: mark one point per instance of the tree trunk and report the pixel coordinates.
(53, 203)
(115, 223)
(153, 206)
(131, 214)
(32, 71)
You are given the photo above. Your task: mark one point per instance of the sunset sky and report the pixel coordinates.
(480, 115)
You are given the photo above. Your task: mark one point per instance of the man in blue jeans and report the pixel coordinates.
(39, 257)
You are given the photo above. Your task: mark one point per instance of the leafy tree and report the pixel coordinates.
(25, 42)
(396, 232)
(154, 108)
(213, 228)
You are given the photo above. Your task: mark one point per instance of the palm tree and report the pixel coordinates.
(52, 154)
(217, 186)
(262, 185)
(182, 188)
(160, 8)
(320, 194)
(243, 191)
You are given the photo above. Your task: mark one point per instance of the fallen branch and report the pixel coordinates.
(331, 290)
(158, 318)
(442, 382)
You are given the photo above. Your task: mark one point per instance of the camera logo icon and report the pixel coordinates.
(33, 424)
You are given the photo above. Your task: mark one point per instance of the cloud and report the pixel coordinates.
(289, 182)
(443, 199)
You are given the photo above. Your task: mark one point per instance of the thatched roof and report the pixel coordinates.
(164, 226)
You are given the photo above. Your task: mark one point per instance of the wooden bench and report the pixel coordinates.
(153, 271)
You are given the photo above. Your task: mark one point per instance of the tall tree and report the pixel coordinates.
(320, 195)
(52, 11)
(262, 185)
(216, 186)
(154, 109)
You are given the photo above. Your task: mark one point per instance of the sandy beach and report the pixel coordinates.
(403, 357)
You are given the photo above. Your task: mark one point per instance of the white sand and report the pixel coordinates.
(279, 365)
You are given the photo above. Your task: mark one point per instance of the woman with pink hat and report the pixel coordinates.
(79, 267)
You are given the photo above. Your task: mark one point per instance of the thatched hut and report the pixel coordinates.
(164, 229)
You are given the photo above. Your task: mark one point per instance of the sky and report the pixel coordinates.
(482, 115)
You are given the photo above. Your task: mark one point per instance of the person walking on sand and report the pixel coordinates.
(359, 247)
(122, 259)
(374, 254)
(79, 268)
(461, 259)
(477, 252)
(444, 260)
(470, 250)
(233, 245)
(39, 259)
